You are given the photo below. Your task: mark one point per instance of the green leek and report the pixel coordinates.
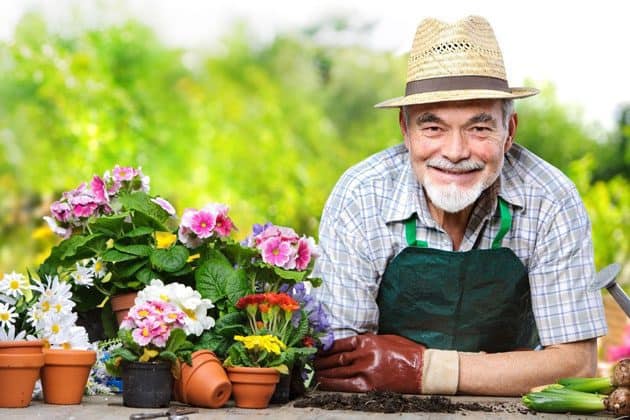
(555, 399)
(598, 385)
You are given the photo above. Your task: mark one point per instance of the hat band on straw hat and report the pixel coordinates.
(456, 83)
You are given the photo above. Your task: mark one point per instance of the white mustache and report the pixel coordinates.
(462, 166)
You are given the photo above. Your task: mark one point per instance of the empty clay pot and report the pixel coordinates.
(18, 373)
(65, 374)
(205, 383)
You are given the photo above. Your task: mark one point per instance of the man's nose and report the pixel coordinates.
(456, 147)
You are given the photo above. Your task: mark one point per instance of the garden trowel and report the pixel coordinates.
(605, 279)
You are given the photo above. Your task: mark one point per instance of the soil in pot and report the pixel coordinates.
(147, 385)
(65, 374)
(390, 402)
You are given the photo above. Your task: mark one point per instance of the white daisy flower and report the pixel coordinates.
(83, 276)
(9, 334)
(55, 328)
(99, 268)
(7, 315)
(72, 338)
(14, 284)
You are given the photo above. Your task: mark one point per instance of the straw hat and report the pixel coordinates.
(455, 62)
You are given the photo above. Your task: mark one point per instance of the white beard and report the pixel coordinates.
(451, 198)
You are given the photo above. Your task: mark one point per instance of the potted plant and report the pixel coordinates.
(254, 364)
(117, 238)
(277, 263)
(154, 338)
(68, 354)
(21, 355)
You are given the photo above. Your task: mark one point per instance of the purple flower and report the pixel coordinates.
(61, 211)
(203, 223)
(99, 190)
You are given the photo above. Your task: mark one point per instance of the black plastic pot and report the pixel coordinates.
(146, 385)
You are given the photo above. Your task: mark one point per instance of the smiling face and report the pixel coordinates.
(456, 148)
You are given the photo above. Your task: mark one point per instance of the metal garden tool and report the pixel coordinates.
(605, 279)
(173, 413)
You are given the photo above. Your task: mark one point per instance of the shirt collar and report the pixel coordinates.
(408, 197)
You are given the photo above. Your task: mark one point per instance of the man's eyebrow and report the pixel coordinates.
(483, 117)
(428, 117)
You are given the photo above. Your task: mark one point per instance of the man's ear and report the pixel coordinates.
(403, 126)
(512, 124)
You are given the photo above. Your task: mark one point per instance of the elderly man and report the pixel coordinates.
(459, 261)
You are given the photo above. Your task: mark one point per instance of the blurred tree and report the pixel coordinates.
(267, 129)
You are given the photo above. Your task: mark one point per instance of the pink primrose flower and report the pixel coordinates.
(84, 210)
(58, 230)
(99, 190)
(146, 331)
(303, 254)
(61, 211)
(123, 173)
(223, 225)
(168, 207)
(188, 238)
(161, 336)
(128, 323)
(275, 252)
(203, 224)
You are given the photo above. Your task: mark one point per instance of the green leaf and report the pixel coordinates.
(168, 355)
(74, 248)
(115, 256)
(175, 340)
(171, 259)
(108, 225)
(145, 211)
(125, 354)
(139, 250)
(128, 269)
(300, 332)
(145, 275)
(139, 231)
(296, 276)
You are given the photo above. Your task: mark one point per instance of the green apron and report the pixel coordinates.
(477, 300)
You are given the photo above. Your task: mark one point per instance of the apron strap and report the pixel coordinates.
(410, 233)
(506, 222)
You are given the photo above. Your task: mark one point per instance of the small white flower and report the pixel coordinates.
(98, 267)
(7, 315)
(55, 328)
(13, 284)
(83, 276)
(154, 291)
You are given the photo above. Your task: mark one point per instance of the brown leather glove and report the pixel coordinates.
(371, 362)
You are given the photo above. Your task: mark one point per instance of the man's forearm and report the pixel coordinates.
(515, 373)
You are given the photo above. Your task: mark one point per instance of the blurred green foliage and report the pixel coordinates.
(267, 129)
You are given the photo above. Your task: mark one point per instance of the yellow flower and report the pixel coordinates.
(148, 355)
(270, 343)
(165, 239)
(193, 257)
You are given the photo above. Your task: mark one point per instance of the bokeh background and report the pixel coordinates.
(263, 105)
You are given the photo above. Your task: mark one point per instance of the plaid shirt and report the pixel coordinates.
(361, 231)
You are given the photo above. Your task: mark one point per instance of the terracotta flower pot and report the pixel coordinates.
(65, 374)
(121, 304)
(18, 373)
(252, 387)
(21, 347)
(205, 383)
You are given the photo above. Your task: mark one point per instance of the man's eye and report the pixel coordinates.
(480, 129)
(431, 128)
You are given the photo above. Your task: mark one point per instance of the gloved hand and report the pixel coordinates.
(384, 363)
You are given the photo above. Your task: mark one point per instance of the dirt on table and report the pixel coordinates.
(390, 402)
